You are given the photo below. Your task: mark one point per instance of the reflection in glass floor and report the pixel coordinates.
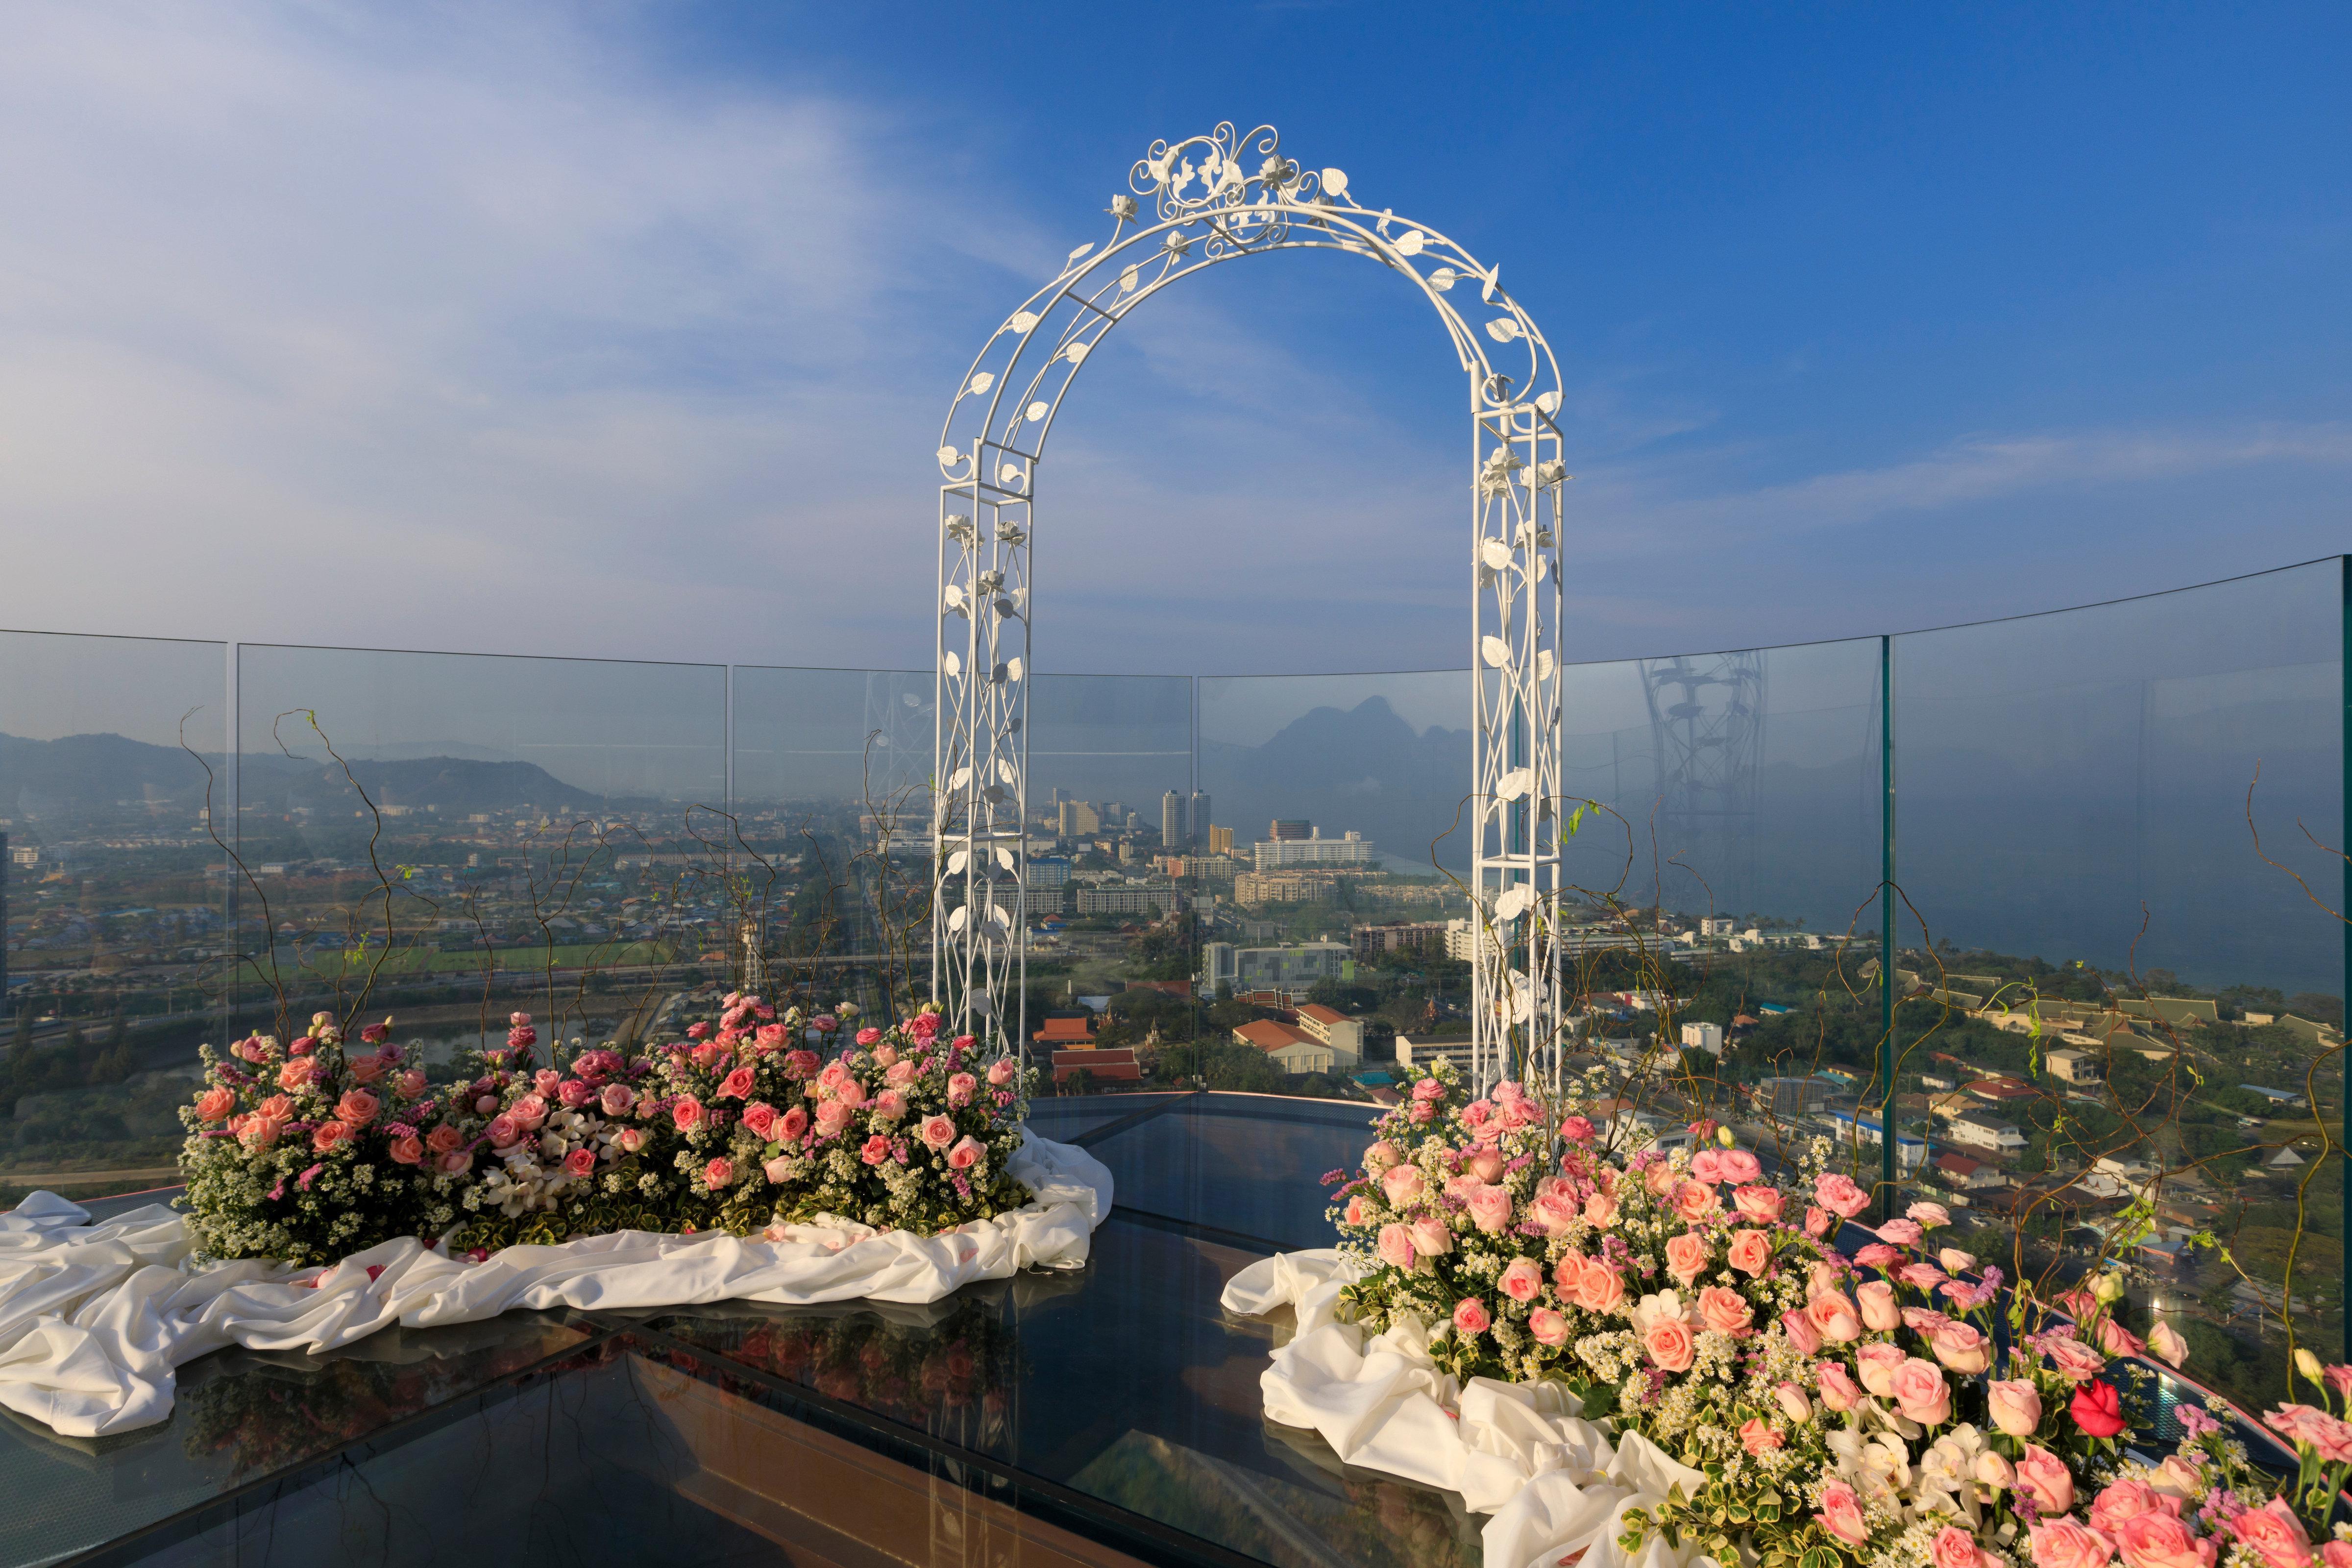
(1098, 1417)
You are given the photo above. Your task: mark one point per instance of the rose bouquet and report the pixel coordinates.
(308, 1151)
(1644, 1283)
(1891, 1429)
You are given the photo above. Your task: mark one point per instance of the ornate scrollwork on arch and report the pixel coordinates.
(1191, 204)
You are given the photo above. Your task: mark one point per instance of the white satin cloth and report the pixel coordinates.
(94, 1318)
(1556, 1485)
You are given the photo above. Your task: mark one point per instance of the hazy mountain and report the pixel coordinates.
(1362, 769)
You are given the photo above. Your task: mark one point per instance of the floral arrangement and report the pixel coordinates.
(936, 1377)
(1864, 1409)
(753, 1122)
(308, 1151)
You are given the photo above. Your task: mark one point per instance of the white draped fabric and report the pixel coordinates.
(1556, 1485)
(94, 1318)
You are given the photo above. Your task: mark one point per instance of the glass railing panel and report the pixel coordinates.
(2118, 845)
(446, 838)
(832, 783)
(115, 903)
(1343, 797)
(1724, 874)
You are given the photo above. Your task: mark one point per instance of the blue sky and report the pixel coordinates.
(627, 331)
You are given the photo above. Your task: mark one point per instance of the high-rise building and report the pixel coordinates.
(1078, 817)
(1173, 832)
(1221, 840)
(1199, 824)
(1285, 829)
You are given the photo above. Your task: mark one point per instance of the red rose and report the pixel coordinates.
(2097, 1409)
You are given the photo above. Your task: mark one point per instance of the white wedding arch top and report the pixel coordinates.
(1189, 205)
(1554, 1486)
(95, 1319)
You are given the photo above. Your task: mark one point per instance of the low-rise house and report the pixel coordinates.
(1979, 1131)
(1331, 1028)
(1290, 1047)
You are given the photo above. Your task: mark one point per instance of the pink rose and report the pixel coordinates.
(868, 1035)
(1490, 1209)
(735, 1085)
(1725, 1311)
(2166, 1342)
(1877, 1364)
(1548, 1326)
(2073, 1359)
(1876, 1298)
(1817, 1222)
(2160, 1541)
(1794, 1402)
(1000, 1071)
(1877, 1255)
(889, 1105)
(2336, 1554)
(2066, 1544)
(407, 1151)
(937, 1131)
(214, 1104)
(885, 1054)
(778, 1170)
(616, 1098)
(1686, 1257)
(1899, 1233)
(1839, 1196)
(1739, 1167)
(1487, 1165)
(1359, 1211)
(1601, 1210)
(1955, 1261)
(800, 1065)
(629, 1140)
(1759, 1438)
(1929, 1217)
(1920, 1276)
(761, 1118)
(1431, 1236)
(443, 1138)
(1954, 1548)
(456, 1162)
(2043, 1477)
(1962, 1348)
(1670, 1345)
(1838, 1389)
(409, 1085)
(1599, 1288)
(1697, 1200)
(1396, 1247)
(2016, 1407)
(579, 1163)
(1920, 1389)
(1576, 1129)
(574, 1093)
(2129, 1499)
(687, 1113)
(1801, 1333)
(1835, 1317)
(833, 1118)
(502, 1132)
(900, 1074)
(1757, 1203)
(1402, 1183)
(961, 1087)
(793, 1125)
(296, 1073)
(358, 1107)
(1706, 1165)
(328, 1135)
(718, 1173)
(1841, 1514)
(965, 1154)
(1522, 1281)
(2276, 1534)
(1470, 1316)
(1751, 1251)
(877, 1150)
(365, 1070)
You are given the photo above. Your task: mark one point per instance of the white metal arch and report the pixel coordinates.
(1195, 203)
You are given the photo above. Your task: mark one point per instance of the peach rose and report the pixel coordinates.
(1660, 1179)
(1725, 1311)
(966, 1154)
(1601, 1211)
(2016, 1407)
(1875, 1363)
(296, 1073)
(1670, 1345)
(1697, 1200)
(358, 1107)
(1757, 1203)
(1835, 1317)
(276, 1105)
(1962, 1348)
(1876, 1298)
(444, 1139)
(1548, 1326)
(214, 1104)
(2043, 1477)
(1382, 1156)
(407, 1151)
(328, 1135)
(365, 1070)
(2166, 1342)
(686, 1114)
(1751, 1251)
(1686, 1257)
(1794, 1402)
(259, 1132)
(1802, 1332)
(1759, 1438)
(1599, 1288)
